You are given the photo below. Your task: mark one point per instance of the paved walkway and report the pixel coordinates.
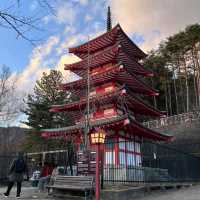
(191, 193)
(28, 193)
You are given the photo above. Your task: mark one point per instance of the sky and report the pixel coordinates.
(147, 23)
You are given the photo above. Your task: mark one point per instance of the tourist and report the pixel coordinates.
(55, 173)
(45, 176)
(16, 174)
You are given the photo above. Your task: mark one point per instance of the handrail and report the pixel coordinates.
(173, 120)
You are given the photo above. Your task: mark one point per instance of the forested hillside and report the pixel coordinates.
(176, 65)
(11, 139)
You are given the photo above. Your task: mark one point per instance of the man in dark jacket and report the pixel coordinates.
(16, 174)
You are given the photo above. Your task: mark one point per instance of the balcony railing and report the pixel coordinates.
(173, 120)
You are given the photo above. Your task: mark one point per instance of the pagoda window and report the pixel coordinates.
(93, 93)
(102, 114)
(130, 159)
(106, 88)
(110, 143)
(110, 112)
(137, 147)
(122, 158)
(122, 144)
(102, 68)
(110, 158)
(130, 146)
(109, 89)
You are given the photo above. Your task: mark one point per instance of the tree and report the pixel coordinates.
(180, 57)
(9, 101)
(22, 24)
(157, 63)
(46, 94)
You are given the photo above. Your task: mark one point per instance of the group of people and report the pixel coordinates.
(44, 174)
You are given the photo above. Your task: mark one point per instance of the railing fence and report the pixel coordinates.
(173, 120)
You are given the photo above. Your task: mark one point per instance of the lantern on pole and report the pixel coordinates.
(97, 138)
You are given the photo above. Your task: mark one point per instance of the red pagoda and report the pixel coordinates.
(111, 64)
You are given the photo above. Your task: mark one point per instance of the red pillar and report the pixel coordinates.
(97, 172)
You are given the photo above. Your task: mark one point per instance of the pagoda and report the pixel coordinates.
(109, 91)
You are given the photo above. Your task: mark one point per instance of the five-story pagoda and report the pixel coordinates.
(109, 93)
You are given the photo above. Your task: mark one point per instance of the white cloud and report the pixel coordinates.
(36, 64)
(145, 17)
(67, 59)
(88, 18)
(69, 42)
(83, 2)
(65, 14)
(69, 29)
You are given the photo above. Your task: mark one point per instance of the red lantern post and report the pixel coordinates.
(97, 139)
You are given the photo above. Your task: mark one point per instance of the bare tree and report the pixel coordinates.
(22, 24)
(10, 102)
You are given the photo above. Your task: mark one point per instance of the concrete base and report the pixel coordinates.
(129, 191)
(123, 193)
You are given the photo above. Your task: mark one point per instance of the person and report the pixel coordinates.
(70, 156)
(55, 173)
(45, 176)
(16, 174)
(35, 178)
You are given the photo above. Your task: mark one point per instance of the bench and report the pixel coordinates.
(81, 185)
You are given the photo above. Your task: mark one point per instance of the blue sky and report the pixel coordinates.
(147, 22)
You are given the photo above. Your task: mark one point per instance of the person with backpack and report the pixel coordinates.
(16, 174)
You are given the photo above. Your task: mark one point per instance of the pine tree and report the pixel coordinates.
(46, 94)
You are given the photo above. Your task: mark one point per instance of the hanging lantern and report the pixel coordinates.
(98, 136)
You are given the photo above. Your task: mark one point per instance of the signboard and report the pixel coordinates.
(86, 162)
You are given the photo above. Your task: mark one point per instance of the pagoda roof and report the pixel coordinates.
(118, 123)
(116, 73)
(133, 103)
(116, 53)
(115, 35)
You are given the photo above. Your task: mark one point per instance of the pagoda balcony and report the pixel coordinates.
(116, 74)
(107, 113)
(115, 36)
(102, 93)
(110, 93)
(124, 123)
(115, 54)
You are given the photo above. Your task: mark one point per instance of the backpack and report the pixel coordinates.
(20, 166)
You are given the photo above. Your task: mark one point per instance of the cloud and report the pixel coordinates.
(88, 18)
(148, 17)
(36, 63)
(82, 2)
(67, 59)
(64, 14)
(69, 42)
(53, 54)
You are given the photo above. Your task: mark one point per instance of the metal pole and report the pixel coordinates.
(97, 172)
(87, 124)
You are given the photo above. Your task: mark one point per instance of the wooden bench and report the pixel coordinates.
(81, 185)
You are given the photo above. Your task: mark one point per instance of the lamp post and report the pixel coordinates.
(97, 138)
